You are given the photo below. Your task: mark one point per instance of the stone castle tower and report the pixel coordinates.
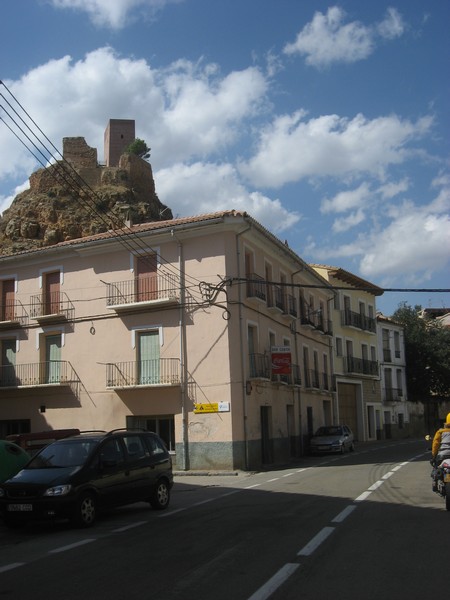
(119, 134)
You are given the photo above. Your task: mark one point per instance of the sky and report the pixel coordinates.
(328, 122)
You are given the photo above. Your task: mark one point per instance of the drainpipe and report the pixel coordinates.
(297, 362)
(241, 342)
(183, 367)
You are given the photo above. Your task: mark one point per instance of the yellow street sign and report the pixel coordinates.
(210, 407)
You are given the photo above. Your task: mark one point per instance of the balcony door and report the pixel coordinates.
(52, 293)
(8, 297)
(147, 279)
(149, 358)
(53, 359)
(8, 370)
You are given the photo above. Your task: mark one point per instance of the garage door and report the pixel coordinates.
(347, 406)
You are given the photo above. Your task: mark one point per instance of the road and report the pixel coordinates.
(359, 526)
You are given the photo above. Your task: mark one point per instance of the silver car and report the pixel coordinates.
(333, 438)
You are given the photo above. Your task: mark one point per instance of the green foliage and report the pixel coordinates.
(427, 349)
(139, 148)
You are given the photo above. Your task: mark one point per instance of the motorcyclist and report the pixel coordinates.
(440, 448)
(441, 441)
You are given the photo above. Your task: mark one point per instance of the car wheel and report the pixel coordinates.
(86, 511)
(161, 496)
(343, 448)
(352, 447)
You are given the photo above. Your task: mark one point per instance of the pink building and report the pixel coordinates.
(208, 330)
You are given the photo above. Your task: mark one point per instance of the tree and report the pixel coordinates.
(427, 350)
(139, 148)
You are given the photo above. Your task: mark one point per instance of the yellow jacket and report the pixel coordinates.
(441, 440)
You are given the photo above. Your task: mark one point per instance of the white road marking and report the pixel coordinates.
(10, 567)
(70, 546)
(313, 544)
(274, 582)
(344, 514)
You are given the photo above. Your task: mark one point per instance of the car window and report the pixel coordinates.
(111, 452)
(155, 445)
(135, 446)
(67, 454)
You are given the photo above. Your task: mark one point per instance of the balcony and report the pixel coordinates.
(393, 394)
(159, 290)
(259, 366)
(361, 366)
(12, 314)
(293, 378)
(256, 287)
(160, 372)
(55, 306)
(49, 373)
(350, 318)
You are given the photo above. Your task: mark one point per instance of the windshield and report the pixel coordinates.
(71, 453)
(329, 431)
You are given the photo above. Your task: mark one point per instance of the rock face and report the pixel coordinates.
(77, 197)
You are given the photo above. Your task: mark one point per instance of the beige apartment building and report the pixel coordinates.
(355, 357)
(208, 330)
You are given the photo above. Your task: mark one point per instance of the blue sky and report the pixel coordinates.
(327, 121)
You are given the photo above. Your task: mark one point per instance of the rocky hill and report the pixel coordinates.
(77, 197)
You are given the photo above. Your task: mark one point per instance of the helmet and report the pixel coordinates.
(447, 420)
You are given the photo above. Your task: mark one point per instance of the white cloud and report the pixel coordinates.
(327, 39)
(113, 13)
(183, 112)
(5, 201)
(392, 189)
(344, 224)
(346, 200)
(392, 26)
(207, 187)
(291, 148)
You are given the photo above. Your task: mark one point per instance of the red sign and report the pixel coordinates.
(281, 360)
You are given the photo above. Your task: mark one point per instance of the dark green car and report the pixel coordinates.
(78, 476)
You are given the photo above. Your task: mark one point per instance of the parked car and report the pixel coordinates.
(12, 459)
(333, 438)
(78, 476)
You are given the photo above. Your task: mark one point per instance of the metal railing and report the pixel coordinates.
(155, 372)
(256, 286)
(53, 372)
(12, 311)
(54, 304)
(354, 319)
(161, 286)
(360, 365)
(259, 366)
(393, 394)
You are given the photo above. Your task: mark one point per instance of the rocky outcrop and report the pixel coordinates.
(77, 197)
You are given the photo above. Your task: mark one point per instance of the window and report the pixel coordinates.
(8, 292)
(8, 365)
(397, 344)
(52, 363)
(12, 426)
(163, 425)
(146, 278)
(339, 347)
(52, 293)
(148, 357)
(134, 446)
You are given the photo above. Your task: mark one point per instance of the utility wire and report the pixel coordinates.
(76, 183)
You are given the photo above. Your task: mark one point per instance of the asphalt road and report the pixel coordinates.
(355, 527)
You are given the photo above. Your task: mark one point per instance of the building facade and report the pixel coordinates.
(391, 352)
(208, 330)
(355, 356)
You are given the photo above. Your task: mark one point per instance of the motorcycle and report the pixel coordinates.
(440, 475)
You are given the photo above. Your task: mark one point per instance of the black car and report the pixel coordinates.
(76, 477)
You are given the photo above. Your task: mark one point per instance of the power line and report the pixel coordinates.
(126, 236)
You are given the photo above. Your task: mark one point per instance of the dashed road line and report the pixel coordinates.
(274, 582)
(318, 539)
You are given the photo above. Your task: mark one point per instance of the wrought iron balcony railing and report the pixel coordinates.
(393, 394)
(155, 372)
(158, 289)
(12, 312)
(354, 319)
(361, 366)
(256, 287)
(53, 372)
(55, 305)
(259, 366)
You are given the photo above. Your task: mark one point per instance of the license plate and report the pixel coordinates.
(20, 507)
(447, 478)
